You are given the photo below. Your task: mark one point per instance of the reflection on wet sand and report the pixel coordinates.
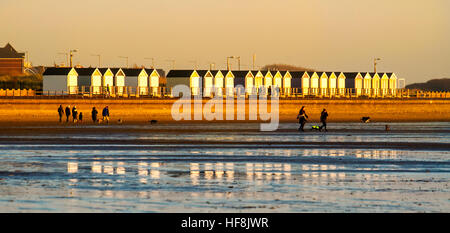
(374, 154)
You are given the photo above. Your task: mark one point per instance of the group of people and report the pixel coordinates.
(302, 119)
(79, 117)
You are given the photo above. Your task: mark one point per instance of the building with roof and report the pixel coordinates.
(323, 84)
(367, 83)
(287, 80)
(107, 80)
(11, 61)
(354, 80)
(393, 83)
(250, 83)
(332, 84)
(137, 79)
(153, 81)
(314, 82)
(85, 80)
(60, 81)
(375, 84)
(384, 84)
(189, 78)
(119, 81)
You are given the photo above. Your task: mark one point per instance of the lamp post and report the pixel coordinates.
(375, 64)
(71, 55)
(211, 65)
(228, 62)
(153, 61)
(254, 59)
(239, 62)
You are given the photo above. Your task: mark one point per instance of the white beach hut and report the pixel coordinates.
(60, 80)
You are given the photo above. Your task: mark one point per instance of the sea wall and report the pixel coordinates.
(143, 110)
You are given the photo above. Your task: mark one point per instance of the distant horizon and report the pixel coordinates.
(410, 38)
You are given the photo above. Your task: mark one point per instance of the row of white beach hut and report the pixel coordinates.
(118, 81)
(288, 82)
(71, 80)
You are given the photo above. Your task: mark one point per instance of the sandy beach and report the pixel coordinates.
(141, 111)
(224, 167)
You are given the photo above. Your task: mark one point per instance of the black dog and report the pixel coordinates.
(365, 119)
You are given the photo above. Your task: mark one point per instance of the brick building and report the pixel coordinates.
(11, 62)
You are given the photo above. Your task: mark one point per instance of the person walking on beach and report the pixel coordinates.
(323, 119)
(302, 116)
(105, 114)
(74, 114)
(60, 112)
(67, 113)
(94, 115)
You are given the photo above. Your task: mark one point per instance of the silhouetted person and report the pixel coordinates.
(105, 114)
(80, 117)
(94, 114)
(67, 113)
(302, 116)
(323, 119)
(74, 114)
(60, 112)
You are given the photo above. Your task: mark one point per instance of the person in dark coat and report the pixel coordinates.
(323, 119)
(105, 114)
(67, 113)
(302, 116)
(80, 117)
(75, 114)
(94, 114)
(60, 112)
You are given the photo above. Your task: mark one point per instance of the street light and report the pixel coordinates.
(239, 62)
(211, 65)
(228, 62)
(375, 64)
(71, 55)
(153, 61)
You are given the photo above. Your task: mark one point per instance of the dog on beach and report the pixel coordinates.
(315, 127)
(365, 119)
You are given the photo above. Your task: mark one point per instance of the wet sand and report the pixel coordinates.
(222, 167)
(116, 135)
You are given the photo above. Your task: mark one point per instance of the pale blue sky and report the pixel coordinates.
(411, 37)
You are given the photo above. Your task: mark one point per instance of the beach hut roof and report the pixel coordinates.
(240, 73)
(85, 71)
(132, 71)
(179, 73)
(350, 75)
(57, 70)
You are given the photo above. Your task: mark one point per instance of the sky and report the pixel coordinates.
(412, 38)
